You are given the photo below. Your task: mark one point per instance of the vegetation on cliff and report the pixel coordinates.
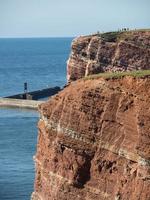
(114, 75)
(114, 36)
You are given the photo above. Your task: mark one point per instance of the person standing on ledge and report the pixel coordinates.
(25, 89)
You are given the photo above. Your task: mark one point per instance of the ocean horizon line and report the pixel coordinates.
(38, 37)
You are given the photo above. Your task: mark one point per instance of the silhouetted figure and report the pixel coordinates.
(25, 89)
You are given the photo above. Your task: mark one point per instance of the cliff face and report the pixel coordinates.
(115, 51)
(94, 141)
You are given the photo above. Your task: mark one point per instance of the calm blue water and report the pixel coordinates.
(40, 62)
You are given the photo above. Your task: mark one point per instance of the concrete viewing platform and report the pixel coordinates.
(19, 103)
(38, 94)
(28, 100)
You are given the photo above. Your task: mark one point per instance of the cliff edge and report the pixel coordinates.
(94, 141)
(112, 51)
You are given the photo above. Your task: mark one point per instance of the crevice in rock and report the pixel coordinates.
(83, 173)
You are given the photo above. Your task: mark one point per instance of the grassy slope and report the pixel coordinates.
(113, 75)
(118, 35)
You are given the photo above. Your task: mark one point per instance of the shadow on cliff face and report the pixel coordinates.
(83, 174)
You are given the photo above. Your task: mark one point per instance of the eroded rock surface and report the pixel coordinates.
(123, 51)
(94, 142)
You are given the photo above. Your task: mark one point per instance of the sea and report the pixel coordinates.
(41, 62)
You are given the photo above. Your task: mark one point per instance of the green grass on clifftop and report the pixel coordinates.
(115, 75)
(118, 35)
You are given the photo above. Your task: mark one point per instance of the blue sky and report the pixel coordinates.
(60, 18)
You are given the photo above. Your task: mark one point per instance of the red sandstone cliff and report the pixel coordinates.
(114, 51)
(94, 141)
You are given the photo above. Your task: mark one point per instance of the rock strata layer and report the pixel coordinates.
(94, 142)
(114, 51)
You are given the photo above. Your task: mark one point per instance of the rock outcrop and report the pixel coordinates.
(94, 136)
(114, 51)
